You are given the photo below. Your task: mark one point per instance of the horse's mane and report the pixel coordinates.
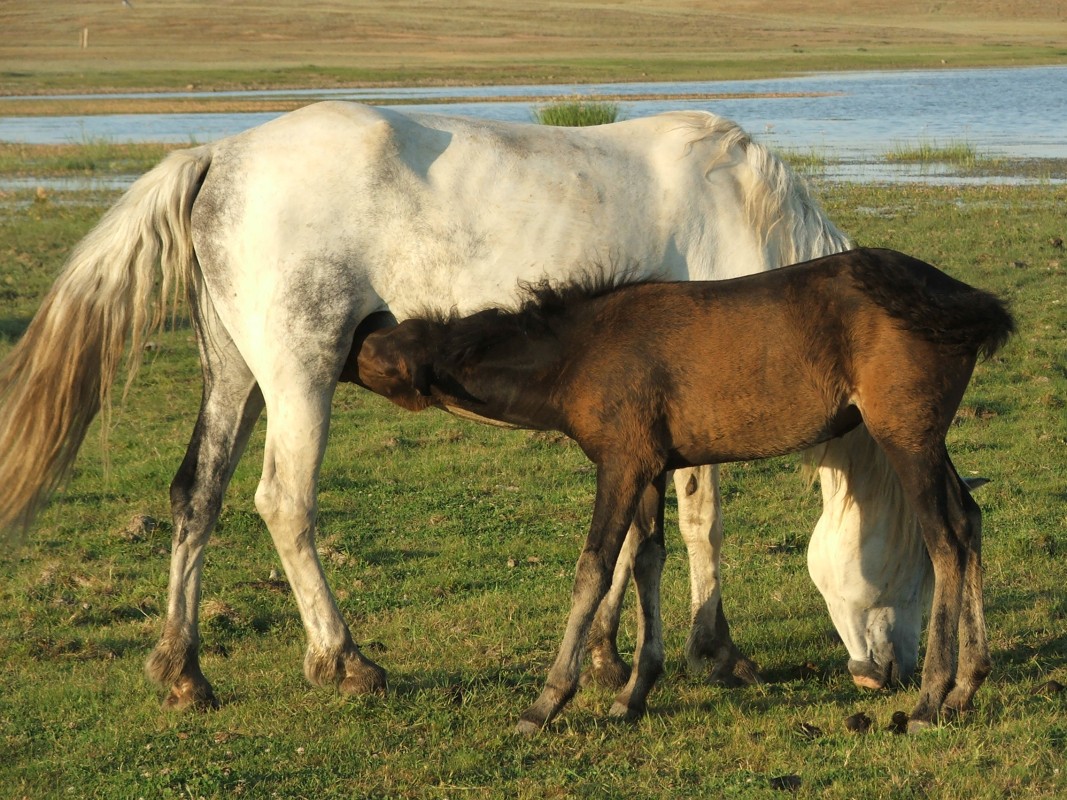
(540, 303)
(777, 203)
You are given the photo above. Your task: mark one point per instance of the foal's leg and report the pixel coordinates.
(607, 667)
(649, 556)
(974, 663)
(935, 493)
(618, 491)
(709, 650)
(230, 406)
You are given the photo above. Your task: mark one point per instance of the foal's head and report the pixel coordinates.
(498, 354)
(396, 362)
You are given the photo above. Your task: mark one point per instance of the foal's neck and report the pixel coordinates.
(513, 384)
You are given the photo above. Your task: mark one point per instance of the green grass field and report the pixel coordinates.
(451, 547)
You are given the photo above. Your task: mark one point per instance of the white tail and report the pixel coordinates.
(116, 285)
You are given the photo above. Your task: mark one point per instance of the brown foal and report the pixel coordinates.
(774, 363)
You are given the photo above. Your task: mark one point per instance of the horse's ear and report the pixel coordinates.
(422, 378)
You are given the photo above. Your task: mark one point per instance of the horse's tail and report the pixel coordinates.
(115, 286)
(934, 305)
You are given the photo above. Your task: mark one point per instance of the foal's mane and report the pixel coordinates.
(540, 303)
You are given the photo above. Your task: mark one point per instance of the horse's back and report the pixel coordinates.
(425, 210)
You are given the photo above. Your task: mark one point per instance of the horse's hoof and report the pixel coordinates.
(364, 679)
(188, 695)
(609, 674)
(735, 672)
(867, 674)
(919, 725)
(865, 682)
(747, 672)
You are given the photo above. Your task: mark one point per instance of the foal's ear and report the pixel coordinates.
(422, 378)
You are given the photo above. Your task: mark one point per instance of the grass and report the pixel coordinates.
(90, 157)
(451, 548)
(576, 113)
(806, 161)
(206, 45)
(957, 153)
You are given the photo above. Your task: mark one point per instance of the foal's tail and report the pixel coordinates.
(116, 285)
(934, 305)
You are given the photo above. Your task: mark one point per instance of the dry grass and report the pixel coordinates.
(224, 42)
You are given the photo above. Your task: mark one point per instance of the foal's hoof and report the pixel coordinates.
(746, 672)
(528, 727)
(188, 694)
(735, 672)
(624, 713)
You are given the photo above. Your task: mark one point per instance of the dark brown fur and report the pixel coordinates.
(774, 363)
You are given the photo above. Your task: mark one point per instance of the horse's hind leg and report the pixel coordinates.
(649, 555)
(298, 417)
(230, 406)
(709, 650)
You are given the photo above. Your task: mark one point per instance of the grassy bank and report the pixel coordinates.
(194, 43)
(451, 547)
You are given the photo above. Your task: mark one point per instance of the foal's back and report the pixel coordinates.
(772, 363)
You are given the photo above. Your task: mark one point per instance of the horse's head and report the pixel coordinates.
(397, 363)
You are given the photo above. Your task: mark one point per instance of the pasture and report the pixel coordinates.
(182, 43)
(452, 546)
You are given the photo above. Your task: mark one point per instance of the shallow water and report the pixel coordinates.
(855, 117)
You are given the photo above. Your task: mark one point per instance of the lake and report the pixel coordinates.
(854, 117)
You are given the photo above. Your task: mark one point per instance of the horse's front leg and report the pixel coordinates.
(230, 407)
(648, 559)
(709, 650)
(619, 489)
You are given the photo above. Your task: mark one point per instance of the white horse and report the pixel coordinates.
(289, 235)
